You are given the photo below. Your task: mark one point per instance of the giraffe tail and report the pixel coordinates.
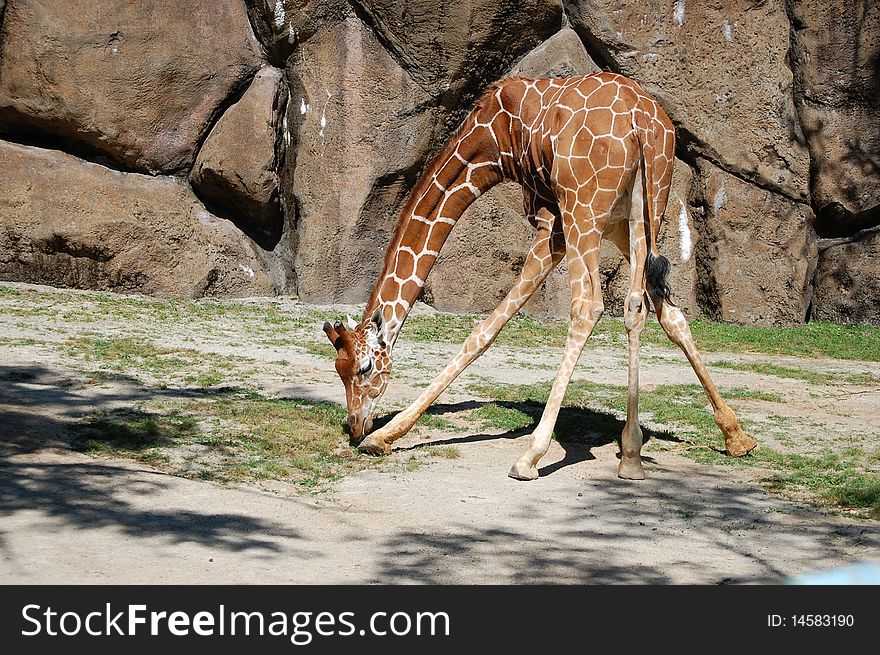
(656, 277)
(657, 266)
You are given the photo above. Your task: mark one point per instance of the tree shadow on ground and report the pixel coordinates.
(40, 408)
(668, 529)
(693, 527)
(96, 495)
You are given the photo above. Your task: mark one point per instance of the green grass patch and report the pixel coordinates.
(859, 491)
(766, 368)
(859, 342)
(230, 436)
(848, 342)
(133, 431)
(443, 452)
(498, 417)
(205, 378)
(131, 356)
(807, 375)
(9, 292)
(267, 322)
(19, 341)
(411, 464)
(865, 378)
(123, 352)
(434, 422)
(742, 393)
(834, 477)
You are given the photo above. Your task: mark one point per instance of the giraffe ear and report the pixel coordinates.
(379, 327)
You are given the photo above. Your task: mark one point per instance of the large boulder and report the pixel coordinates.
(452, 50)
(282, 25)
(358, 130)
(138, 82)
(235, 170)
(699, 60)
(756, 252)
(836, 50)
(70, 223)
(848, 280)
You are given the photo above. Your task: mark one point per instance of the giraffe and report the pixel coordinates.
(594, 156)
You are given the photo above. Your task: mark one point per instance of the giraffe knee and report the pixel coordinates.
(481, 338)
(675, 325)
(586, 312)
(635, 311)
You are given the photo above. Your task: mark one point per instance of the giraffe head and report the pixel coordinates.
(363, 361)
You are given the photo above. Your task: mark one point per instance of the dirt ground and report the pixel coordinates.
(66, 517)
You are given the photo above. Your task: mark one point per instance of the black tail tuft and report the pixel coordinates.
(656, 270)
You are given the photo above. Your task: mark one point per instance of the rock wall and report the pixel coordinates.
(136, 82)
(67, 222)
(239, 147)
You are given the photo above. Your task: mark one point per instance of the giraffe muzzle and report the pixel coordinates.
(358, 428)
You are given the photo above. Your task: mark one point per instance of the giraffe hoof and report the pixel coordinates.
(740, 445)
(373, 446)
(522, 472)
(630, 468)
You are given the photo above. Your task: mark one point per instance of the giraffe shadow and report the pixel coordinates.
(578, 430)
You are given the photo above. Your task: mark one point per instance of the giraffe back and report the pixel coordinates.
(566, 132)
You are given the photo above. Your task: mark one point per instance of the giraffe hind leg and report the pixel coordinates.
(635, 311)
(631, 439)
(673, 322)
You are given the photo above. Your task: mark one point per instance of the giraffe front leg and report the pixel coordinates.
(586, 309)
(526, 467)
(546, 252)
(374, 445)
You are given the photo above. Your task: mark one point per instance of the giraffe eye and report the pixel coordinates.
(366, 366)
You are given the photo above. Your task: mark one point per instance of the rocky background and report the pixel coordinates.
(240, 147)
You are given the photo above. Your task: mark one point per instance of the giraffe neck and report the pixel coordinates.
(464, 169)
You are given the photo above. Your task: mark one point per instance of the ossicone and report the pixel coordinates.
(334, 332)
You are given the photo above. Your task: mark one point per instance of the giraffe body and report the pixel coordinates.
(594, 156)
